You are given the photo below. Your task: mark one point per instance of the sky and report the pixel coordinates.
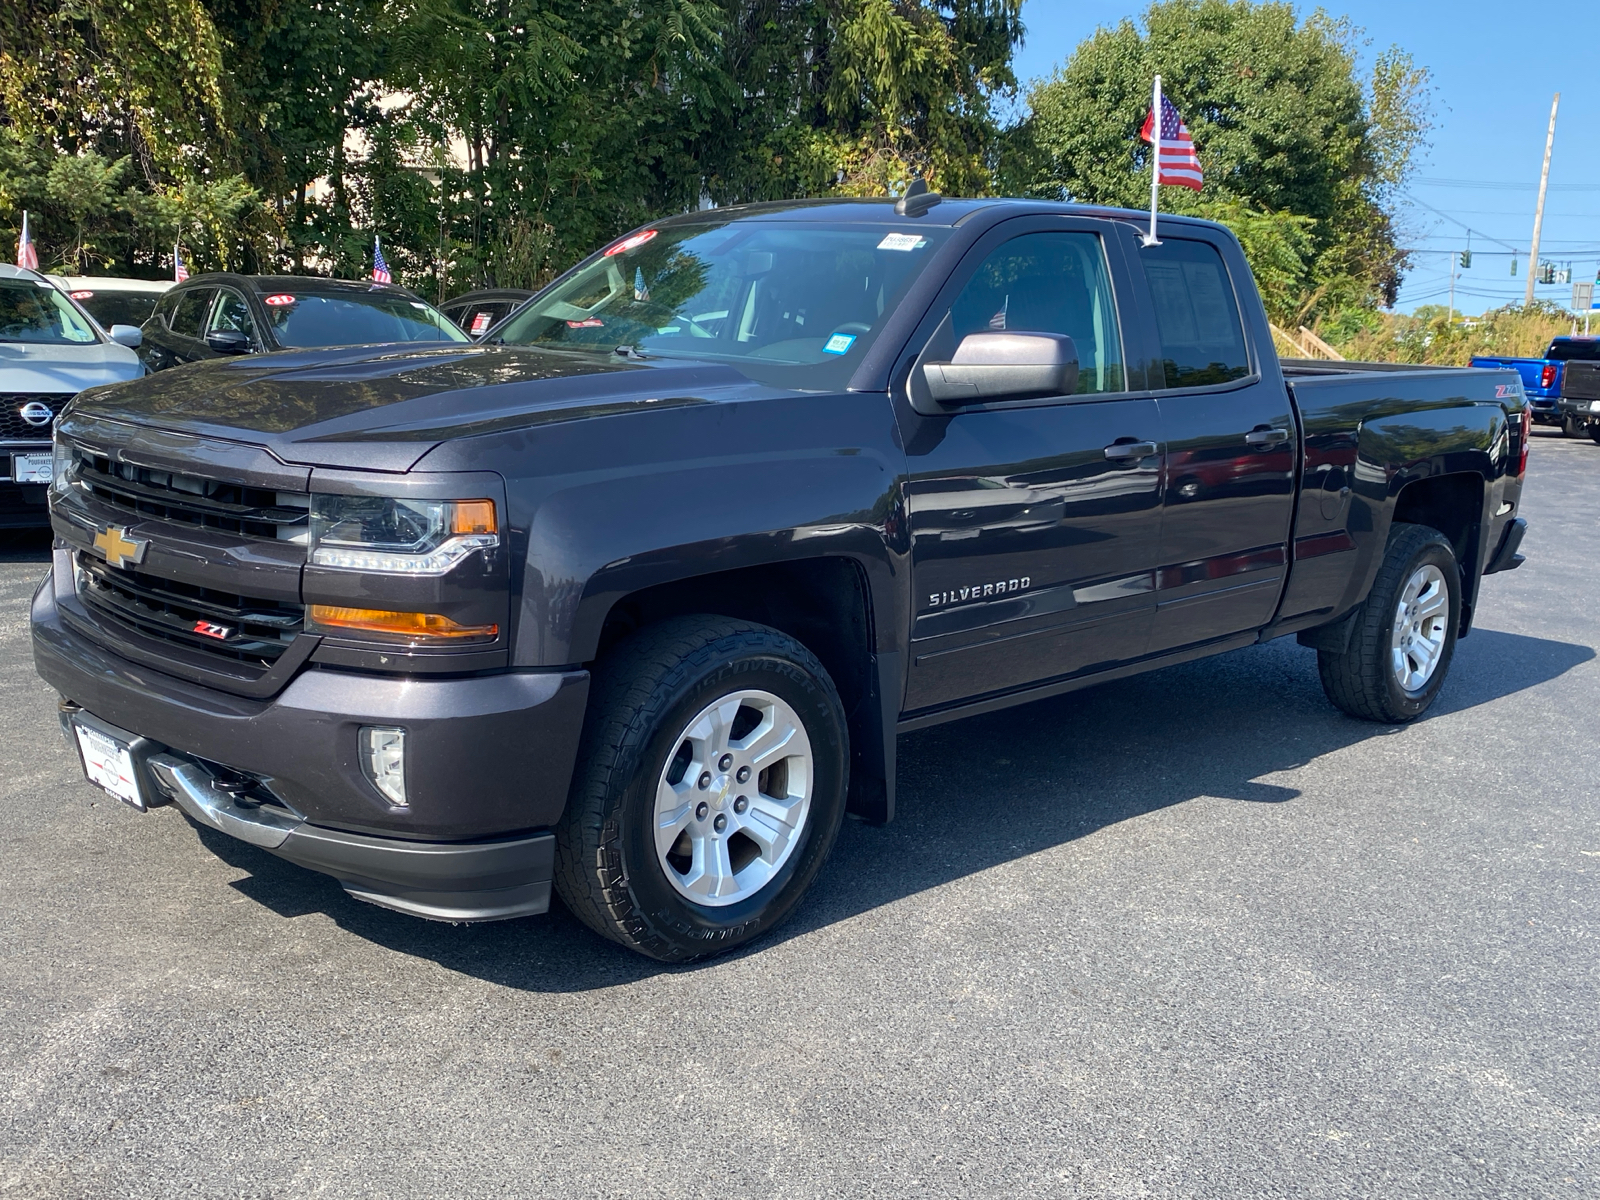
(1495, 69)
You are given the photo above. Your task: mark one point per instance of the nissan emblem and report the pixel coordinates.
(35, 413)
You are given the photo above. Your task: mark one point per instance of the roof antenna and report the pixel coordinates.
(917, 200)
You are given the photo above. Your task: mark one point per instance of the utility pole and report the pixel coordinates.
(1538, 213)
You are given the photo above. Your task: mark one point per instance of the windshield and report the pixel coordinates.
(794, 305)
(1565, 350)
(306, 320)
(33, 311)
(117, 308)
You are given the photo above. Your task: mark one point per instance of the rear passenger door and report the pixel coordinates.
(1231, 448)
(181, 340)
(1033, 522)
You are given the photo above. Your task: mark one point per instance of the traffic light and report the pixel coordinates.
(1466, 259)
(1513, 266)
(1547, 272)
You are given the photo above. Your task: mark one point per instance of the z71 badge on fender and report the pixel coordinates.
(979, 591)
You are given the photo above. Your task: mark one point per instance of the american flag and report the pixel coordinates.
(179, 271)
(27, 256)
(380, 269)
(1175, 156)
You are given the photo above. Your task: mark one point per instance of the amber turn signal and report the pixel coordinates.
(473, 516)
(417, 626)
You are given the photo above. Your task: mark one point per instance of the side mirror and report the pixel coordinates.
(228, 341)
(130, 336)
(1005, 366)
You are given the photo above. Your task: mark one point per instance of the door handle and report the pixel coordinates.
(1266, 436)
(1122, 451)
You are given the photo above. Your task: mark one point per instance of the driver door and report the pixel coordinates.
(1034, 523)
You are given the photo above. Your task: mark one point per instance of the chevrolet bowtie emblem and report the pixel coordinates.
(119, 548)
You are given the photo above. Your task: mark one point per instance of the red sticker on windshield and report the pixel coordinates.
(278, 301)
(630, 243)
(591, 323)
(80, 295)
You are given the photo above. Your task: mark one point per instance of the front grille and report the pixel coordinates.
(13, 428)
(248, 630)
(190, 500)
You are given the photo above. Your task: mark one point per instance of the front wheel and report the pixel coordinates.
(710, 789)
(1405, 633)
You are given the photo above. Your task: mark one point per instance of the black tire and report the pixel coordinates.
(643, 696)
(1594, 432)
(1362, 681)
(1573, 428)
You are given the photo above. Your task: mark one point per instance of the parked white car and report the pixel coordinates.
(50, 350)
(111, 300)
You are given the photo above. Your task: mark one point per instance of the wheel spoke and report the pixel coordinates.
(1432, 601)
(768, 824)
(767, 742)
(674, 810)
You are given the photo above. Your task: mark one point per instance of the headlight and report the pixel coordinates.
(60, 466)
(399, 537)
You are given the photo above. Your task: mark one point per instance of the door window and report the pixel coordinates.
(1048, 283)
(189, 319)
(231, 313)
(1197, 317)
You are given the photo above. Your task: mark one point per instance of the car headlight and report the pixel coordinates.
(399, 537)
(61, 464)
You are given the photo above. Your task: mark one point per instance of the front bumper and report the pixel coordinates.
(488, 764)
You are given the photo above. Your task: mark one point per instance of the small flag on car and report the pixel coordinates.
(27, 256)
(179, 271)
(1175, 162)
(380, 269)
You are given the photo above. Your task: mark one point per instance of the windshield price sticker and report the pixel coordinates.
(902, 241)
(839, 343)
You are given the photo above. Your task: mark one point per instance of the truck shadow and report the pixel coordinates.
(25, 546)
(979, 793)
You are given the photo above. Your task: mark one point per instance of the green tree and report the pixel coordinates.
(1301, 155)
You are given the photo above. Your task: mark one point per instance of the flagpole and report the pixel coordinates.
(1150, 238)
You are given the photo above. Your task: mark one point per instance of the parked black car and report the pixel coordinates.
(221, 315)
(479, 312)
(633, 599)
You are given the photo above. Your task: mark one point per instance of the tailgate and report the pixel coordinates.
(1581, 381)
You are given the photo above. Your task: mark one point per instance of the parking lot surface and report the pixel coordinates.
(1195, 934)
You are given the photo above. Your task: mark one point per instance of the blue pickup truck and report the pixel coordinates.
(1544, 378)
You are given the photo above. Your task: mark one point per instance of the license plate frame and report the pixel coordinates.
(108, 763)
(33, 468)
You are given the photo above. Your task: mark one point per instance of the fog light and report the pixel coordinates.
(383, 757)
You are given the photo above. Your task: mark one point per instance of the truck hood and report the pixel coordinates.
(383, 408)
(31, 367)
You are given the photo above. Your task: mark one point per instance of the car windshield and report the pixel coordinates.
(309, 319)
(791, 304)
(117, 308)
(33, 311)
(1584, 350)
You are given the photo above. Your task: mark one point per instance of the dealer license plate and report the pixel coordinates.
(31, 468)
(108, 764)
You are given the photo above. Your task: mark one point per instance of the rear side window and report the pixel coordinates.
(1197, 316)
(167, 306)
(118, 308)
(193, 308)
(1574, 350)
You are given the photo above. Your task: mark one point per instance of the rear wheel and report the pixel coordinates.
(1594, 432)
(1405, 632)
(710, 789)
(1573, 428)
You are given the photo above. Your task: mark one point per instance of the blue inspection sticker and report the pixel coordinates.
(839, 343)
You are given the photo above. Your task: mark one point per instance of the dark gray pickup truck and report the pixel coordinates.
(633, 600)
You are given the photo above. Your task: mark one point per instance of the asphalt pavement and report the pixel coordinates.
(1195, 934)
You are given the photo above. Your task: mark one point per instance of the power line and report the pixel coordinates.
(1463, 224)
(1509, 187)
